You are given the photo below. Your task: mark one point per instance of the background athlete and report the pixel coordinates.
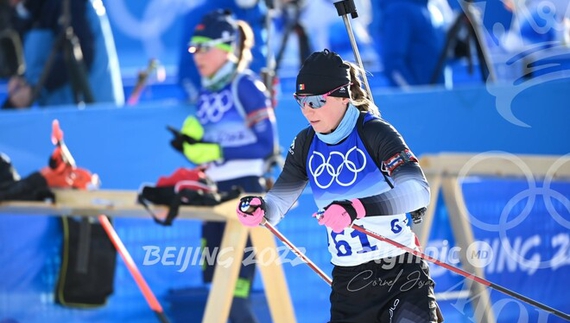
(233, 131)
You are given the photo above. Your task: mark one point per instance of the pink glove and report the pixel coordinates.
(339, 215)
(251, 210)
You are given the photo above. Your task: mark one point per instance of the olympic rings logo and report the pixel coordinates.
(530, 194)
(213, 106)
(326, 164)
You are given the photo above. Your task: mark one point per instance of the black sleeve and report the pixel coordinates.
(31, 188)
(292, 180)
(383, 139)
(389, 150)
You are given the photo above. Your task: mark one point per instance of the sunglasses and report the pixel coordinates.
(205, 47)
(316, 101)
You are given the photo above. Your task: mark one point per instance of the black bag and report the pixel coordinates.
(13, 188)
(88, 264)
(183, 187)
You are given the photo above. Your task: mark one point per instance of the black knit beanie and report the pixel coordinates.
(322, 72)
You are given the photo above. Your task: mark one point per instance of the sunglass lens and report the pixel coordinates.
(199, 48)
(316, 101)
(313, 101)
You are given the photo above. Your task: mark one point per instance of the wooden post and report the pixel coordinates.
(273, 276)
(226, 273)
(464, 237)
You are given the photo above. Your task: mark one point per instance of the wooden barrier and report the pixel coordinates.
(117, 203)
(445, 172)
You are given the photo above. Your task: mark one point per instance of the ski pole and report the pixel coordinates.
(464, 273)
(132, 267)
(57, 140)
(142, 80)
(343, 8)
(297, 252)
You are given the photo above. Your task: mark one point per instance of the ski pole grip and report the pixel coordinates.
(345, 7)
